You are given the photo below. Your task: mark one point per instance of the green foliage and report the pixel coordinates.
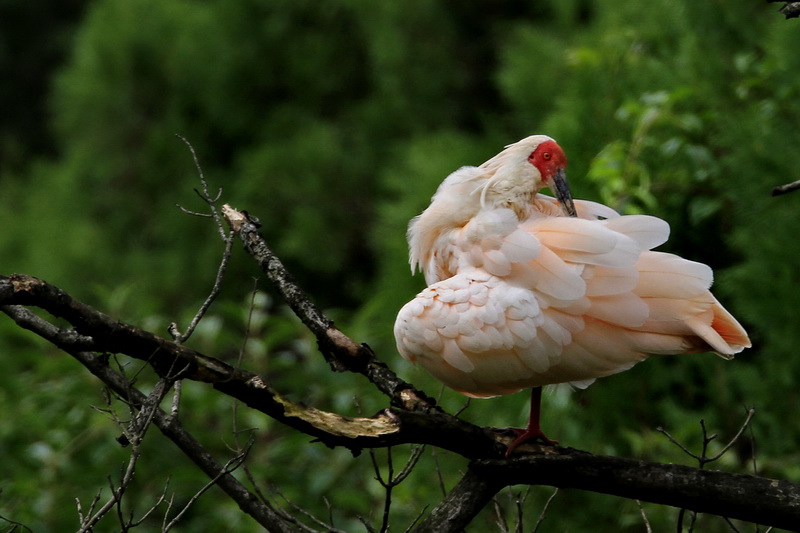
(334, 123)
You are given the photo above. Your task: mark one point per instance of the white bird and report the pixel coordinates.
(522, 294)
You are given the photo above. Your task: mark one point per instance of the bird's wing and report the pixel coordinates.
(522, 292)
(479, 335)
(559, 299)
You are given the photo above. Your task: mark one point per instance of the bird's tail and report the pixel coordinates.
(684, 315)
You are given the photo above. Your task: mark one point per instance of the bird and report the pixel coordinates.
(526, 290)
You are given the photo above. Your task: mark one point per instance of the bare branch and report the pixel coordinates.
(341, 352)
(172, 429)
(295, 522)
(414, 419)
(81, 516)
(543, 514)
(227, 238)
(750, 412)
(787, 188)
(169, 426)
(464, 502)
(215, 290)
(499, 519)
(704, 491)
(791, 9)
(391, 480)
(205, 195)
(390, 427)
(674, 441)
(161, 499)
(703, 458)
(88, 523)
(14, 524)
(232, 464)
(647, 526)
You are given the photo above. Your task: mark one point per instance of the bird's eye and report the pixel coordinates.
(546, 156)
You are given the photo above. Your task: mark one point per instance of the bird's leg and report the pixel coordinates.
(533, 431)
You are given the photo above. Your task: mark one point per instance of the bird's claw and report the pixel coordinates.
(525, 435)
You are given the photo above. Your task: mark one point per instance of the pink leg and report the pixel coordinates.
(533, 431)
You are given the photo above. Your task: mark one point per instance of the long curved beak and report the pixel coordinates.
(563, 194)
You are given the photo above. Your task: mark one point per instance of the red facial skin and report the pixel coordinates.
(548, 158)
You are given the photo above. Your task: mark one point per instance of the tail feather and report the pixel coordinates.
(713, 329)
(729, 329)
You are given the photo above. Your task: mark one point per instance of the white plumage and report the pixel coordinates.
(520, 295)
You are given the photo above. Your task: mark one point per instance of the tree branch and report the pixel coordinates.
(415, 422)
(741, 496)
(414, 419)
(339, 350)
(169, 426)
(790, 9)
(787, 187)
(464, 502)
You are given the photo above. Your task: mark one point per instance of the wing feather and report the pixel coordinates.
(647, 231)
(520, 298)
(667, 275)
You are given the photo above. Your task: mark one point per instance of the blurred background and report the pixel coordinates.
(333, 122)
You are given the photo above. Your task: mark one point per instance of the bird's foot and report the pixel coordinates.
(529, 434)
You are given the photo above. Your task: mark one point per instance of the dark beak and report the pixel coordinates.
(561, 188)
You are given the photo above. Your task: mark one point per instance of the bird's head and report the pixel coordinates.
(524, 168)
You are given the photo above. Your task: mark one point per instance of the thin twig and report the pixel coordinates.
(786, 188)
(133, 435)
(543, 514)
(81, 516)
(753, 448)
(227, 238)
(15, 524)
(439, 475)
(730, 524)
(88, 524)
(416, 519)
(648, 529)
(161, 499)
(366, 524)
(235, 404)
(703, 458)
(391, 480)
(387, 485)
(230, 466)
(205, 195)
(215, 290)
(750, 412)
(138, 426)
(678, 444)
(289, 519)
(416, 453)
(520, 502)
(499, 519)
(176, 398)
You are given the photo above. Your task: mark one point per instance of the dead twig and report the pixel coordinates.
(543, 514)
(391, 481)
(703, 459)
(230, 466)
(787, 188)
(227, 238)
(790, 9)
